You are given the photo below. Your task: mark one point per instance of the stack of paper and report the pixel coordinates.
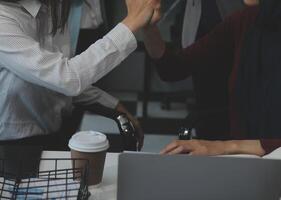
(37, 188)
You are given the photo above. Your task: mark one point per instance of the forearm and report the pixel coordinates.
(252, 147)
(51, 69)
(94, 95)
(154, 44)
(120, 108)
(164, 57)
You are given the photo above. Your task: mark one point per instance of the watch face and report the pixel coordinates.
(186, 133)
(122, 119)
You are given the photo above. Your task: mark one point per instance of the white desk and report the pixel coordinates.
(108, 188)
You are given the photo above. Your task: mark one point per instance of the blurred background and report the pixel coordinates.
(161, 107)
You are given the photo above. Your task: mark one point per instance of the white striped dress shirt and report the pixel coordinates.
(38, 80)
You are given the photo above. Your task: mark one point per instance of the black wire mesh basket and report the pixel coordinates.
(49, 179)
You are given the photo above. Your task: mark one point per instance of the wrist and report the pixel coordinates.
(131, 24)
(231, 147)
(153, 42)
(155, 50)
(149, 29)
(252, 147)
(119, 107)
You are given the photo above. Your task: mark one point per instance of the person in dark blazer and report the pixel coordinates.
(246, 48)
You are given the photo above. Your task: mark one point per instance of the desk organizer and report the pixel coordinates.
(50, 180)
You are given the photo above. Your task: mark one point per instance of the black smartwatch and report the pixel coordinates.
(186, 134)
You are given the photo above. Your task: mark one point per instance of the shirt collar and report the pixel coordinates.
(31, 6)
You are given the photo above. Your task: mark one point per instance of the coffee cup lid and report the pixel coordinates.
(88, 141)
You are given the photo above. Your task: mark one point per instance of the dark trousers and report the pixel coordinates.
(55, 141)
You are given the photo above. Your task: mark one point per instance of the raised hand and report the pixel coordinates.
(141, 13)
(156, 15)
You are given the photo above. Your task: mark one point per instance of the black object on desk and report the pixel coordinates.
(186, 134)
(197, 119)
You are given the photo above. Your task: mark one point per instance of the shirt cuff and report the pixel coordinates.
(123, 38)
(108, 101)
(270, 145)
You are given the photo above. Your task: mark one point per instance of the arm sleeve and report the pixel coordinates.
(93, 95)
(215, 50)
(23, 56)
(270, 145)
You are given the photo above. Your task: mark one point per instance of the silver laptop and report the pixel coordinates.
(181, 177)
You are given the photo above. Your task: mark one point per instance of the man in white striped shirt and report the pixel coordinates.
(39, 83)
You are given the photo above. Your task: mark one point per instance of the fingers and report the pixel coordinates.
(177, 150)
(152, 3)
(157, 13)
(170, 147)
(141, 13)
(140, 138)
(156, 4)
(195, 147)
(156, 17)
(140, 143)
(139, 134)
(177, 147)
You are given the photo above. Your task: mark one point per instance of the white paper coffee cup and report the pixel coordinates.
(92, 146)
